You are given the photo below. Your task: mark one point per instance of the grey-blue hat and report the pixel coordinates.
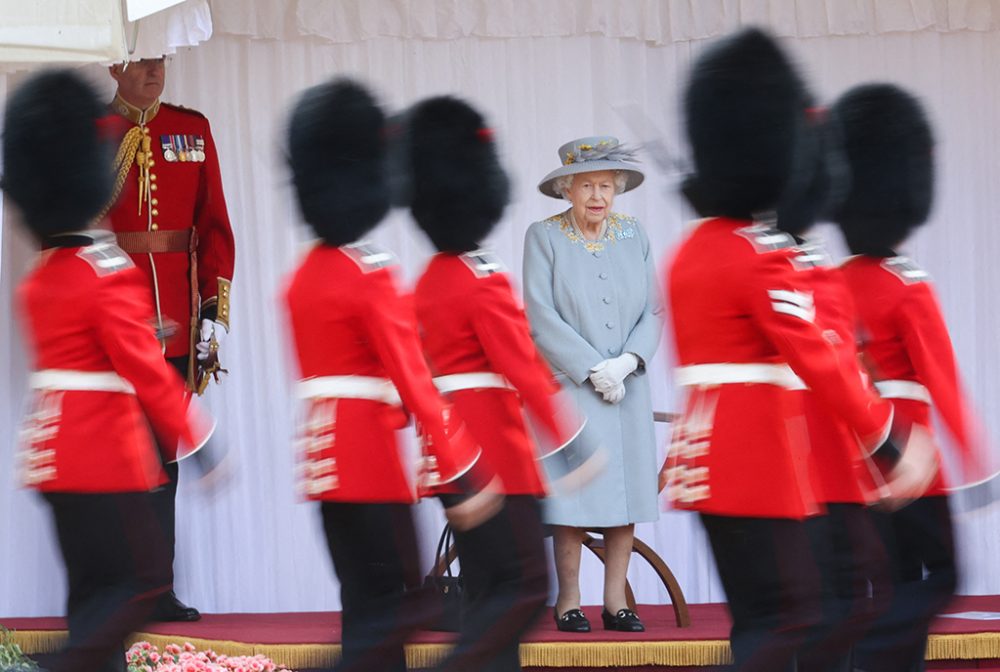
(588, 155)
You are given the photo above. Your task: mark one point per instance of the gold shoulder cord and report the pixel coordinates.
(142, 157)
(132, 145)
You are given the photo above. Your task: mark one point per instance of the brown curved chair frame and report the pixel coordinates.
(639, 547)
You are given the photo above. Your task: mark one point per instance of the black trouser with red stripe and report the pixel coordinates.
(854, 568)
(505, 583)
(772, 586)
(921, 546)
(115, 556)
(374, 551)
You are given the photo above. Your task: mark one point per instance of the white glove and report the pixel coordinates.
(614, 395)
(208, 328)
(611, 373)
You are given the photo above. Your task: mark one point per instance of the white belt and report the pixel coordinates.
(349, 387)
(725, 374)
(89, 381)
(903, 389)
(471, 381)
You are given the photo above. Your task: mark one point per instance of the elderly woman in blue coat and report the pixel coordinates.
(593, 303)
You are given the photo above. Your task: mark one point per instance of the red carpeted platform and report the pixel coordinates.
(311, 640)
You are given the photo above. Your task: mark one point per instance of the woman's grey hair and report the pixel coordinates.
(561, 184)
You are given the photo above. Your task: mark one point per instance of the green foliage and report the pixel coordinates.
(12, 659)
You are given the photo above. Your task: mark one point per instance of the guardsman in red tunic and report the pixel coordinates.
(361, 364)
(169, 214)
(905, 344)
(746, 339)
(845, 541)
(99, 379)
(479, 345)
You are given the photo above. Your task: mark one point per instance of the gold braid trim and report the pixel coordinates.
(966, 646)
(123, 163)
(969, 646)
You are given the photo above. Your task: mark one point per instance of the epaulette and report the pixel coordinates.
(905, 269)
(181, 108)
(810, 255)
(105, 258)
(369, 256)
(482, 263)
(766, 238)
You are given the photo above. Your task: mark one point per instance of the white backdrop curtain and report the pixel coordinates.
(655, 21)
(251, 546)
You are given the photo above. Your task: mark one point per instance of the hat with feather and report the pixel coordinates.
(590, 155)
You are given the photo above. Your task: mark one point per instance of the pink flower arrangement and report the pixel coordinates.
(144, 657)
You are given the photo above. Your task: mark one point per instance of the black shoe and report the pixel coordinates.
(169, 608)
(572, 621)
(625, 620)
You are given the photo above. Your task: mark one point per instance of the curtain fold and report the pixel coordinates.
(94, 31)
(184, 25)
(60, 31)
(658, 22)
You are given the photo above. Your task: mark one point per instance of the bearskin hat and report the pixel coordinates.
(457, 189)
(820, 177)
(744, 109)
(337, 153)
(57, 166)
(889, 146)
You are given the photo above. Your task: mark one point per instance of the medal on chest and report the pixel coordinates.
(183, 148)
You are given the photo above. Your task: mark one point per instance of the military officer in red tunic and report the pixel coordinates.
(479, 345)
(361, 365)
(905, 344)
(745, 333)
(99, 379)
(170, 211)
(169, 214)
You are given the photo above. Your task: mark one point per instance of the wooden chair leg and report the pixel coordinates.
(668, 579)
(639, 547)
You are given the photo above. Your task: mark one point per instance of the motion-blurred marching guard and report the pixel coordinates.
(99, 378)
(478, 342)
(853, 565)
(746, 339)
(361, 365)
(905, 344)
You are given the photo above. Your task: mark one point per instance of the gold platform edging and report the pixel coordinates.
(971, 646)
